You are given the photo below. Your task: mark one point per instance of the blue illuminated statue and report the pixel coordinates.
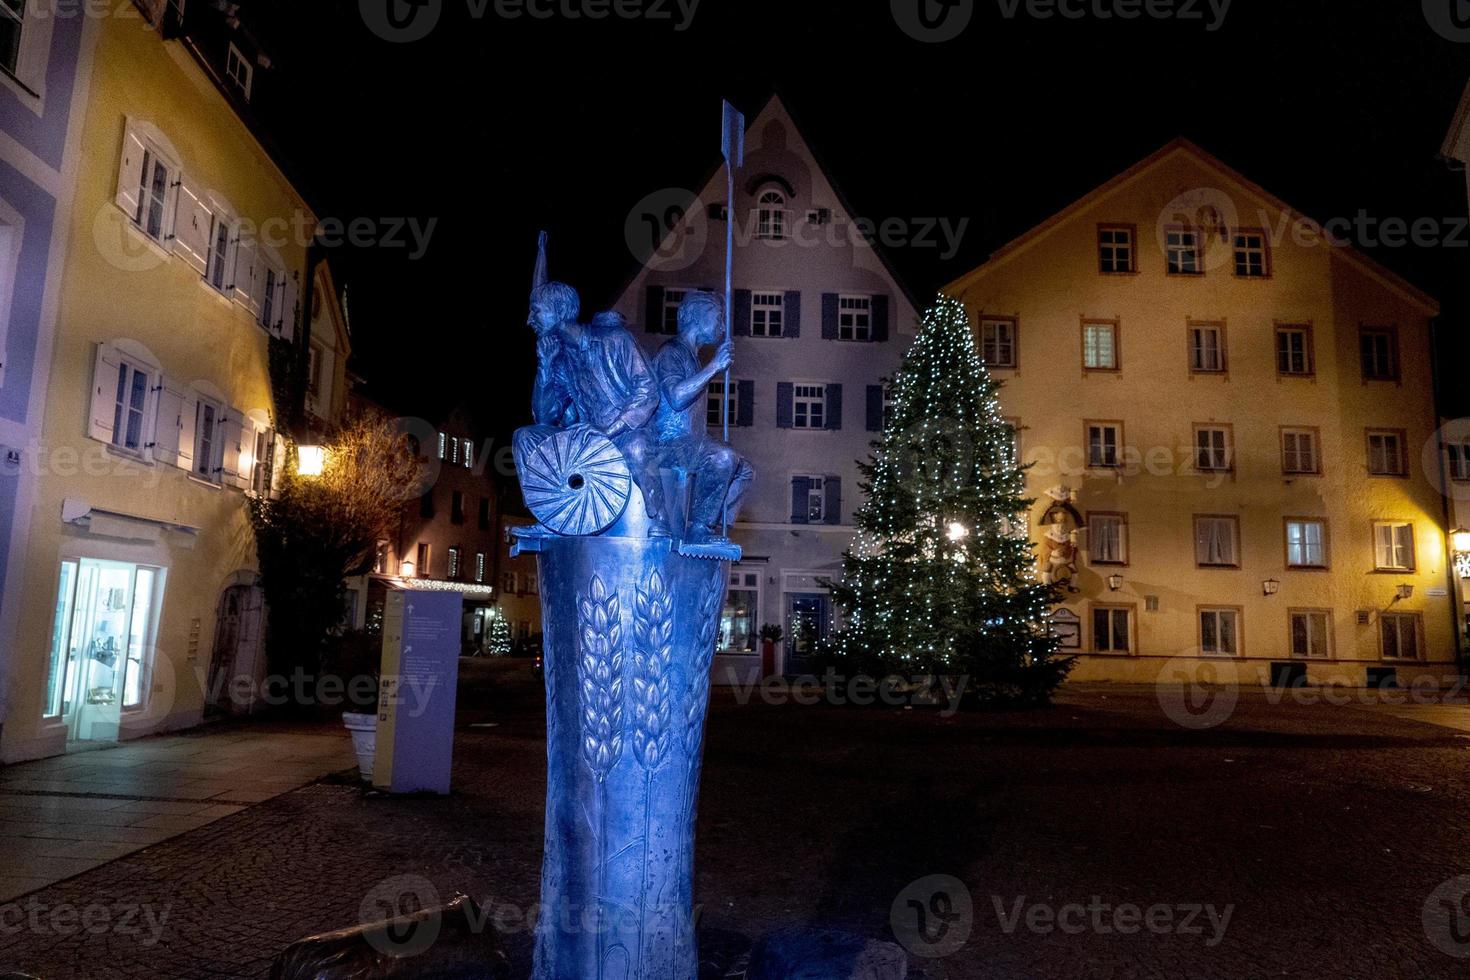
(632, 587)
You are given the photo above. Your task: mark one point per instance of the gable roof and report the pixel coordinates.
(775, 104)
(1369, 267)
(1457, 140)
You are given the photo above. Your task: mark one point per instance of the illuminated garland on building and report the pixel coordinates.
(941, 577)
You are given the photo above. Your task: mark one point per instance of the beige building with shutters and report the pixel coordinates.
(1244, 413)
(185, 263)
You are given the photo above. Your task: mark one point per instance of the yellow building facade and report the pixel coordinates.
(186, 256)
(1232, 429)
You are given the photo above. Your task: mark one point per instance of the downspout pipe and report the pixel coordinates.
(1456, 600)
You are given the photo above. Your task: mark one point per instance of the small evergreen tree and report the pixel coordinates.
(941, 578)
(498, 643)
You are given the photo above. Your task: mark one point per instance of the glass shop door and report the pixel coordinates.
(101, 646)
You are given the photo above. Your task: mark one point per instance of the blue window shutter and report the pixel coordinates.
(740, 315)
(800, 489)
(791, 322)
(829, 316)
(785, 396)
(653, 309)
(880, 319)
(834, 406)
(832, 507)
(745, 394)
(875, 408)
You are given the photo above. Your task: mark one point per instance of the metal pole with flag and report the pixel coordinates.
(732, 145)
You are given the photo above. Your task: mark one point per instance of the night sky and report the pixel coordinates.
(497, 127)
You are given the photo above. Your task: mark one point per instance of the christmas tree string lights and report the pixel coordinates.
(940, 579)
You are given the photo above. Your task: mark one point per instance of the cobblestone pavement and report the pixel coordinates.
(1095, 839)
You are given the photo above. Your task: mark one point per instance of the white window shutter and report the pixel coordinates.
(192, 227)
(188, 428)
(130, 173)
(286, 324)
(247, 281)
(168, 426)
(232, 433)
(104, 393)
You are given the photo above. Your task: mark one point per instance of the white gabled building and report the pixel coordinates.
(820, 320)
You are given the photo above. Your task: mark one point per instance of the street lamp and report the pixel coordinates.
(1404, 591)
(311, 460)
(1270, 587)
(1115, 582)
(406, 568)
(958, 531)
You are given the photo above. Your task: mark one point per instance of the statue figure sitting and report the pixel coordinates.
(720, 476)
(594, 375)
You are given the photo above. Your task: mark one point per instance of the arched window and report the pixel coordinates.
(770, 215)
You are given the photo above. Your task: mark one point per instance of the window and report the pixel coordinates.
(1386, 453)
(1219, 632)
(208, 440)
(130, 415)
(673, 296)
(443, 445)
(998, 343)
(1216, 541)
(1100, 345)
(1306, 543)
(12, 16)
(809, 406)
(1250, 255)
(263, 457)
(888, 407)
(767, 312)
(1379, 347)
(816, 499)
(533, 584)
(1310, 634)
(1294, 350)
(1182, 252)
(1393, 546)
(220, 262)
(1212, 449)
(1459, 459)
(739, 620)
(456, 507)
(508, 583)
(102, 641)
(1112, 629)
(479, 566)
(1104, 442)
(770, 215)
(1400, 634)
(240, 71)
(1115, 248)
(484, 520)
(424, 554)
(1207, 348)
(454, 563)
(855, 318)
(454, 446)
(715, 400)
(467, 453)
(153, 195)
(1107, 539)
(1299, 451)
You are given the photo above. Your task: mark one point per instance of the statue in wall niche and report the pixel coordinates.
(1059, 557)
(632, 586)
(720, 476)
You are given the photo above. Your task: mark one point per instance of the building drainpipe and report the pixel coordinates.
(1457, 601)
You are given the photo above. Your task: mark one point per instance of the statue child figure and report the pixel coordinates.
(720, 476)
(593, 375)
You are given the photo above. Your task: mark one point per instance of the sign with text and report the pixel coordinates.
(416, 694)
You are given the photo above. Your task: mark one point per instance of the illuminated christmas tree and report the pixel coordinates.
(941, 578)
(498, 642)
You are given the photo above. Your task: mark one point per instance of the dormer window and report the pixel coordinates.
(770, 215)
(240, 71)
